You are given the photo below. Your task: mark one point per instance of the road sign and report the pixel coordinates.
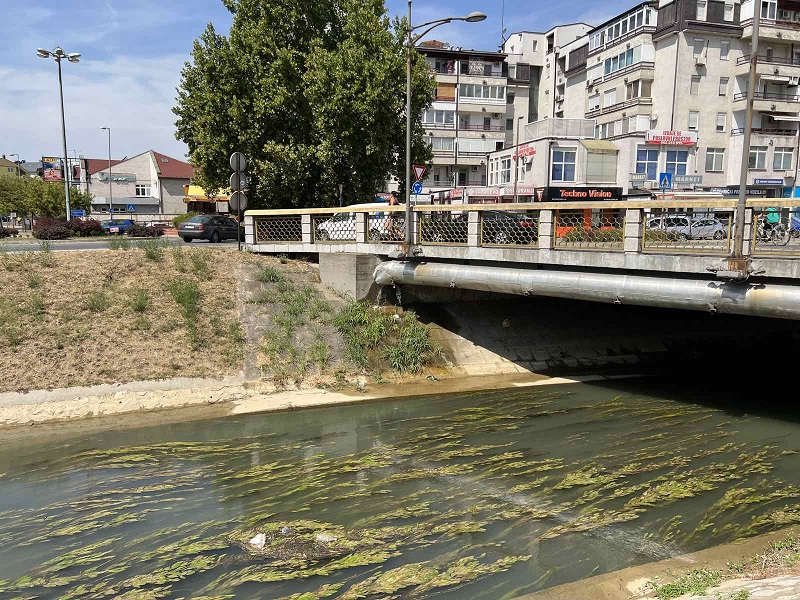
(238, 182)
(78, 213)
(419, 172)
(131, 208)
(665, 181)
(238, 162)
(417, 188)
(238, 201)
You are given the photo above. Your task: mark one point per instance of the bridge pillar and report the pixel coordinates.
(546, 229)
(306, 225)
(361, 228)
(473, 229)
(249, 230)
(634, 230)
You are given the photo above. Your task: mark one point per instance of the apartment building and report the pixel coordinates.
(467, 120)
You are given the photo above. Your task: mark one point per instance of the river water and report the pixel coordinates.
(480, 495)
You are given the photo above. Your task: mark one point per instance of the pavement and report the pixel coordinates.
(32, 245)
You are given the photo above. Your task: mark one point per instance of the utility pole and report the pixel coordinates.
(516, 161)
(110, 189)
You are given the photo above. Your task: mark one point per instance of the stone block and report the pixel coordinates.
(349, 274)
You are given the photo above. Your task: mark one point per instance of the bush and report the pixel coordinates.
(7, 232)
(142, 231)
(46, 228)
(87, 228)
(181, 218)
(153, 249)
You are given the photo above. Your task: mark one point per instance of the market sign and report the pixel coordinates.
(672, 138)
(687, 179)
(51, 169)
(572, 194)
(638, 177)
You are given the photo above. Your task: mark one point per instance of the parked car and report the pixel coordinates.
(683, 227)
(383, 225)
(214, 228)
(508, 228)
(117, 226)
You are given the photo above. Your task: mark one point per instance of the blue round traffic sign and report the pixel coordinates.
(417, 188)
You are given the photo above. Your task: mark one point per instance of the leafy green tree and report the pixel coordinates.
(32, 196)
(312, 91)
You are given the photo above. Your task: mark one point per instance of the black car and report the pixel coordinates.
(505, 228)
(214, 228)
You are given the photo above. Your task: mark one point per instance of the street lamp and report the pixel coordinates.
(411, 41)
(110, 191)
(57, 54)
(516, 160)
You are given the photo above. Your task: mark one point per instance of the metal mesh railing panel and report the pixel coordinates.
(776, 231)
(445, 228)
(386, 228)
(699, 230)
(590, 229)
(279, 229)
(337, 228)
(500, 228)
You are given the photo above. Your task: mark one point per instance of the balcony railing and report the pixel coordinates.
(482, 127)
(439, 98)
(620, 106)
(439, 125)
(443, 152)
(472, 153)
(768, 96)
(772, 60)
(762, 131)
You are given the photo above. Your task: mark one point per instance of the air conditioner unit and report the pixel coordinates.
(475, 168)
(700, 60)
(794, 81)
(496, 115)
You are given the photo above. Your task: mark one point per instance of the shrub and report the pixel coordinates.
(119, 243)
(187, 295)
(97, 302)
(153, 249)
(140, 301)
(46, 228)
(201, 265)
(181, 218)
(87, 228)
(269, 275)
(6, 232)
(147, 232)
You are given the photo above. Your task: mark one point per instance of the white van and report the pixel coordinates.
(341, 227)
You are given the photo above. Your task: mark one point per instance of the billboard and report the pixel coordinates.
(52, 169)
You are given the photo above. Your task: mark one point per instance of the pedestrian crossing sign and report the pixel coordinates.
(665, 181)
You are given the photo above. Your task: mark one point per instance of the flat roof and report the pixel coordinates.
(455, 53)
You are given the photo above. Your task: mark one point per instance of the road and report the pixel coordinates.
(60, 245)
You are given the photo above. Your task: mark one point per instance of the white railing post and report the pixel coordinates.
(249, 230)
(415, 232)
(546, 229)
(634, 230)
(308, 235)
(473, 228)
(361, 228)
(749, 229)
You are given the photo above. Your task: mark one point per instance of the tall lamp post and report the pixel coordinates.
(57, 54)
(516, 159)
(411, 41)
(110, 190)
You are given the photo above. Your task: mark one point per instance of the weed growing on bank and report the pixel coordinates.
(119, 242)
(139, 301)
(697, 583)
(153, 249)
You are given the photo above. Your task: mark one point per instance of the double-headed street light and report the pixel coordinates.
(411, 41)
(57, 54)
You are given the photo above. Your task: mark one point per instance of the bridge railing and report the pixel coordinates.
(702, 226)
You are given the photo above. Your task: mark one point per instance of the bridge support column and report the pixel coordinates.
(249, 230)
(634, 230)
(473, 229)
(306, 224)
(361, 228)
(546, 229)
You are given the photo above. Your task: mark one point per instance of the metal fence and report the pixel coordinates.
(696, 230)
(590, 229)
(338, 228)
(279, 229)
(386, 228)
(501, 228)
(776, 231)
(445, 228)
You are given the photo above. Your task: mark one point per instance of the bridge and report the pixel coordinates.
(663, 253)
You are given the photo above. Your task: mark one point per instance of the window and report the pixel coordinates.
(623, 59)
(594, 102)
(723, 86)
(505, 170)
(758, 158)
(724, 50)
(483, 92)
(610, 97)
(676, 161)
(728, 12)
(722, 120)
(510, 99)
(564, 165)
(509, 124)
(698, 46)
(783, 158)
(694, 87)
(631, 22)
(445, 118)
(441, 144)
(638, 89)
(647, 162)
(701, 10)
(142, 191)
(769, 9)
(694, 120)
(714, 159)
(607, 130)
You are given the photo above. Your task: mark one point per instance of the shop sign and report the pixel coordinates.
(672, 138)
(734, 191)
(638, 177)
(455, 194)
(117, 177)
(51, 169)
(573, 194)
(524, 151)
(483, 192)
(768, 182)
(687, 179)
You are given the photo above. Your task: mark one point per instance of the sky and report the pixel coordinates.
(133, 52)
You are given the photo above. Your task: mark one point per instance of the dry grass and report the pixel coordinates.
(83, 318)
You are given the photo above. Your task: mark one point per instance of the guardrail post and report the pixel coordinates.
(546, 229)
(473, 228)
(361, 228)
(634, 230)
(249, 230)
(308, 235)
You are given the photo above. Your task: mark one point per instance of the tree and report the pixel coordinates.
(312, 91)
(32, 196)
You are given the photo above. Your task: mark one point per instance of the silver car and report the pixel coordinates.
(683, 227)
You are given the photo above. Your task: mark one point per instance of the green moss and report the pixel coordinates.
(696, 582)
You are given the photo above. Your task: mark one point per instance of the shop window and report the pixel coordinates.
(564, 165)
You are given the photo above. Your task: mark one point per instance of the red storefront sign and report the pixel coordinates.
(672, 138)
(523, 152)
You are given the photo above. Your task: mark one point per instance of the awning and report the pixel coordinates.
(599, 146)
(194, 193)
(776, 79)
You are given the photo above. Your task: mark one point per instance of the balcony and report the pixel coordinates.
(772, 67)
(439, 98)
(769, 103)
(773, 30)
(482, 127)
(450, 126)
(647, 103)
(560, 128)
(792, 133)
